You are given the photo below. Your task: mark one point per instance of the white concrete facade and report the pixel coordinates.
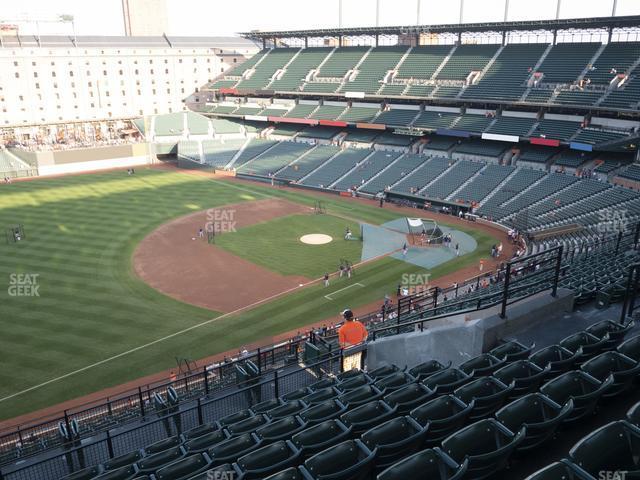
(58, 80)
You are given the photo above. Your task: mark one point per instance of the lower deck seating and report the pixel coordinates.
(306, 164)
(275, 158)
(219, 153)
(336, 168)
(366, 170)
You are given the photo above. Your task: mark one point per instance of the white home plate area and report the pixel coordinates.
(316, 239)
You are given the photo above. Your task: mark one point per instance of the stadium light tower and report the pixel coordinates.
(558, 9)
(506, 10)
(339, 13)
(377, 13)
(613, 11)
(418, 12)
(461, 10)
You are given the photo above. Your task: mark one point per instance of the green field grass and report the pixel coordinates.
(95, 325)
(276, 244)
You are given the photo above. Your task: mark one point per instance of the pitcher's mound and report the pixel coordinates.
(316, 239)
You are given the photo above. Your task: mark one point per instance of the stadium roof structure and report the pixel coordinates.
(66, 41)
(606, 23)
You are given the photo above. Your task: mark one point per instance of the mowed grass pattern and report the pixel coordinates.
(92, 311)
(276, 244)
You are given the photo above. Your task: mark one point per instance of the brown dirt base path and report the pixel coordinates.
(173, 260)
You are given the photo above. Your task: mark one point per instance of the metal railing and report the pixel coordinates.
(159, 425)
(41, 435)
(631, 290)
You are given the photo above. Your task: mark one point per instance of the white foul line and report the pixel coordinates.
(328, 297)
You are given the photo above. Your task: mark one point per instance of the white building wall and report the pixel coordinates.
(41, 85)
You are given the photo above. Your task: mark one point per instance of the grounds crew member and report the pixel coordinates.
(352, 332)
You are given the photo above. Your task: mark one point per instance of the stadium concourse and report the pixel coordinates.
(523, 367)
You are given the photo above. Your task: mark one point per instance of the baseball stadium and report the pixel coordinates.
(401, 251)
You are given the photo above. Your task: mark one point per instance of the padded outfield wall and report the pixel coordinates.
(79, 160)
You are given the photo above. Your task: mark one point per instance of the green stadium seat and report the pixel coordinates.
(557, 358)
(482, 365)
(249, 425)
(267, 460)
(525, 375)
(583, 389)
(633, 415)
(290, 473)
(296, 394)
(321, 436)
(360, 396)
(322, 412)
(631, 348)
(615, 447)
(540, 415)
(486, 444)
(324, 383)
(122, 473)
(487, 394)
(162, 445)
(206, 441)
(394, 439)
(364, 417)
(349, 460)
(235, 417)
(185, 468)
(123, 460)
(85, 473)
(154, 462)
(281, 429)
(443, 415)
(348, 374)
(354, 382)
(199, 431)
(589, 345)
(394, 381)
(229, 450)
(289, 408)
(320, 396)
(427, 369)
(384, 371)
(613, 330)
(409, 397)
(446, 381)
(432, 464)
(267, 405)
(623, 369)
(512, 351)
(556, 471)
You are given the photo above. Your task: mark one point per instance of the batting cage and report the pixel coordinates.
(424, 231)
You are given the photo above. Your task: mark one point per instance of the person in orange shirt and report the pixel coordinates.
(352, 331)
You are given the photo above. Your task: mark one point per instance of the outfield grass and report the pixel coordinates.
(92, 311)
(276, 244)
